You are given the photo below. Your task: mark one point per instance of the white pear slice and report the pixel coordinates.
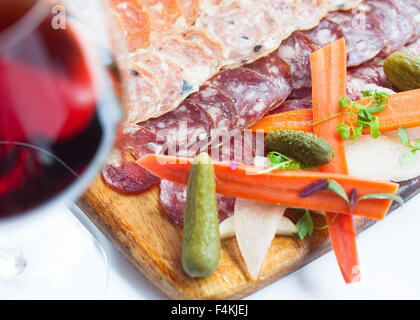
(255, 227)
(379, 159)
(285, 228)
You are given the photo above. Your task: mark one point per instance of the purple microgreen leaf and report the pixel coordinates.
(234, 165)
(315, 187)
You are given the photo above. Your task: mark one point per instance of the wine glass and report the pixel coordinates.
(59, 108)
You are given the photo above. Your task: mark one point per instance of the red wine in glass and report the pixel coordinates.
(49, 125)
(58, 112)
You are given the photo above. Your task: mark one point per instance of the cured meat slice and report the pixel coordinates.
(363, 32)
(413, 9)
(398, 25)
(219, 106)
(296, 50)
(190, 9)
(291, 105)
(134, 21)
(325, 33)
(199, 64)
(311, 12)
(166, 16)
(239, 147)
(173, 196)
(358, 79)
(285, 12)
(182, 128)
(124, 175)
(278, 71)
(144, 95)
(413, 48)
(245, 30)
(335, 5)
(174, 83)
(198, 36)
(252, 93)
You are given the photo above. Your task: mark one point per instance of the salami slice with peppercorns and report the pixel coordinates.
(253, 94)
(278, 71)
(296, 50)
(242, 42)
(364, 35)
(173, 196)
(181, 128)
(220, 107)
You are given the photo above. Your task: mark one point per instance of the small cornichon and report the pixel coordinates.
(305, 148)
(201, 240)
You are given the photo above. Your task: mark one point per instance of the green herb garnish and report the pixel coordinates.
(281, 162)
(305, 225)
(361, 117)
(408, 158)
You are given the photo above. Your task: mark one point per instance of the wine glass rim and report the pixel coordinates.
(24, 25)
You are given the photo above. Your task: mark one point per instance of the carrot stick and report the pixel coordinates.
(279, 187)
(402, 111)
(329, 73)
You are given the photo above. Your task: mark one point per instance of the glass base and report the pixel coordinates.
(51, 256)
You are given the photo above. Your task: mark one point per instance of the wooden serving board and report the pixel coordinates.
(138, 227)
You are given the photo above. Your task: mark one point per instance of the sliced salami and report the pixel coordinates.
(190, 9)
(166, 16)
(363, 32)
(398, 25)
(134, 21)
(335, 5)
(285, 12)
(124, 175)
(181, 128)
(144, 96)
(296, 50)
(358, 79)
(252, 93)
(241, 41)
(278, 71)
(197, 62)
(174, 83)
(325, 33)
(413, 9)
(218, 105)
(311, 12)
(413, 48)
(173, 196)
(212, 47)
(292, 105)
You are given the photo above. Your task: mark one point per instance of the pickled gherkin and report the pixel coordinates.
(403, 70)
(306, 148)
(201, 246)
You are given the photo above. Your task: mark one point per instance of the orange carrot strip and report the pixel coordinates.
(403, 111)
(282, 187)
(329, 73)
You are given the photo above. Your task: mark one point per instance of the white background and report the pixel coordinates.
(389, 254)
